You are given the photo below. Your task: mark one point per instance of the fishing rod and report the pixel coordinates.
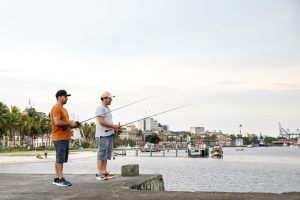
(152, 116)
(115, 109)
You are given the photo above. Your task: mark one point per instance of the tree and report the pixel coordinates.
(88, 132)
(269, 140)
(24, 127)
(247, 140)
(13, 122)
(4, 112)
(152, 139)
(232, 137)
(140, 134)
(35, 122)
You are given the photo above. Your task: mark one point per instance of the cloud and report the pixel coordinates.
(232, 83)
(7, 70)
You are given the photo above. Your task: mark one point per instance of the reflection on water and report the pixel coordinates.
(261, 169)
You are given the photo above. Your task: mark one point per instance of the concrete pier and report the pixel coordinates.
(39, 186)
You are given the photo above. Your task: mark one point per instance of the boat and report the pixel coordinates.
(217, 152)
(240, 149)
(149, 147)
(263, 144)
(198, 153)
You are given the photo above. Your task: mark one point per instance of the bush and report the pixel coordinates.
(85, 144)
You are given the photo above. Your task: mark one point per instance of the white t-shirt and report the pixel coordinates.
(103, 111)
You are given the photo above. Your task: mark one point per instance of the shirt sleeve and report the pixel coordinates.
(56, 112)
(100, 111)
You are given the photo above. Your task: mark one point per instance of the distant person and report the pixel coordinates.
(46, 154)
(61, 134)
(105, 129)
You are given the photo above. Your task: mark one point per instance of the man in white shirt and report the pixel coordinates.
(105, 129)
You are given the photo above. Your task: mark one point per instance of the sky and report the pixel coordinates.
(236, 62)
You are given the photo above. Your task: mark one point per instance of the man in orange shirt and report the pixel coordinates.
(61, 134)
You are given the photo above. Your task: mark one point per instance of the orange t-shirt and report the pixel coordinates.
(60, 133)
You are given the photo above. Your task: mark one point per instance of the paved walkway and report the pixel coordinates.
(39, 186)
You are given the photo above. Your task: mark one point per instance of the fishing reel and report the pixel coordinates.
(77, 123)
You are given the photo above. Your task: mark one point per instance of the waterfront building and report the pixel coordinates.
(133, 134)
(239, 142)
(196, 130)
(147, 124)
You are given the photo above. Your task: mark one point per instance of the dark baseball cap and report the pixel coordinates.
(62, 93)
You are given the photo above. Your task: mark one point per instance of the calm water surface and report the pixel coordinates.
(261, 169)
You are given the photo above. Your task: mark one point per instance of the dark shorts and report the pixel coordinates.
(104, 147)
(62, 150)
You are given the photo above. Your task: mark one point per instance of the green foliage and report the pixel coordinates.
(269, 140)
(152, 139)
(85, 144)
(247, 140)
(30, 123)
(118, 142)
(87, 131)
(232, 136)
(4, 111)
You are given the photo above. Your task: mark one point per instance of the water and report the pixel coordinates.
(262, 169)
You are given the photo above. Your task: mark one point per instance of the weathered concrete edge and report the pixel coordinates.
(17, 186)
(155, 183)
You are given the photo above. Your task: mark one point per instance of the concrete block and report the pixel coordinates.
(130, 170)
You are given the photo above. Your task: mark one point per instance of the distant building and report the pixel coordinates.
(239, 142)
(134, 136)
(196, 130)
(131, 128)
(147, 124)
(164, 128)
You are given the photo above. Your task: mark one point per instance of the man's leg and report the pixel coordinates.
(62, 152)
(59, 170)
(101, 164)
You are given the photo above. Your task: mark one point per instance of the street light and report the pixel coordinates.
(241, 129)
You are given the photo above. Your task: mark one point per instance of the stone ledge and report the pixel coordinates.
(39, 186)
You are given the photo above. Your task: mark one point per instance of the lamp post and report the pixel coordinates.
(241, 129)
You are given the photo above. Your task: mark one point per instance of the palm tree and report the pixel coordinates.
(34, 119)
(88, 132)
(13, 121)
(140, 134)
(4, 111)
(25, 127)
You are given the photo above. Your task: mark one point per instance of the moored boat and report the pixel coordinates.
(217, 152)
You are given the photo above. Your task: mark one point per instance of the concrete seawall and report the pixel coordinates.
(146, 187)
(155, 183)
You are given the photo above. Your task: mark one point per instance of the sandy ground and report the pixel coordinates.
(50, 158)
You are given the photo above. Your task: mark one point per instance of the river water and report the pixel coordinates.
(261, 169)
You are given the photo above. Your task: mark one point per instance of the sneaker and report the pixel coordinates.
(55, 181)
(63, 182)
(101, 177)
(108, 174)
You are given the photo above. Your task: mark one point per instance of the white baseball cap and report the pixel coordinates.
(106, 94)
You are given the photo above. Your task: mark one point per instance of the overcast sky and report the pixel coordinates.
(236, 62)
